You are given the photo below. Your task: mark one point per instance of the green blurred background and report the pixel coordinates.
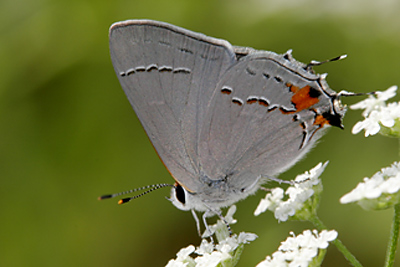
(68, 133)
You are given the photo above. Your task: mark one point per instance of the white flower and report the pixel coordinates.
(299, 250)
(271, 201)
(174, 263)
(326, 236)
(205, 247)
(210, 254)
(211, 260)
(286, 209)
(369, 124)
(245, 238)
(183, 257)
(377, 113)
(379, 191)
(297, 194)
(385, 116)
(232, 242)
(229, 215)
(185, 252)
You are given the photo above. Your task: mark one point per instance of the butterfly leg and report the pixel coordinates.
(208, 232)
(197, 221)
(271, 178)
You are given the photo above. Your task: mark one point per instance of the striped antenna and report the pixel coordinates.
(317, 63)
(148, 188)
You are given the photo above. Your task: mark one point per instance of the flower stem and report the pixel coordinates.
(342, 248)
(399, 145)
(394, 237)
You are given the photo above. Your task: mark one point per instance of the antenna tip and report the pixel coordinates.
(124, 200)
(104, 197)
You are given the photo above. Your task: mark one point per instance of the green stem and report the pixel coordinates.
(394, 237)
(399, 145)
(342, 248)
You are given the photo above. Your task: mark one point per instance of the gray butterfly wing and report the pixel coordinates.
(265, 114)
(169, 75)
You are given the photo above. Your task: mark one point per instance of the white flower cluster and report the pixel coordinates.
(299, 251)
(209, 254)
(383, 183)
(298, 194)
(377, 113)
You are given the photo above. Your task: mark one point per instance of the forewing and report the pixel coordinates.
(169, 75)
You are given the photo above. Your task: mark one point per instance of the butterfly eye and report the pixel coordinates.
(180, 194)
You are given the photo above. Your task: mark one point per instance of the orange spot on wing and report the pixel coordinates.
(301, 98)
(293, 89)
(320, 120)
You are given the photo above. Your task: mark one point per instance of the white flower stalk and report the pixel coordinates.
(381, 191)
(306, 249)
(226, 253)
(378, 116)
(299, 201)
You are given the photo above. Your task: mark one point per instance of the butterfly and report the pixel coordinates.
(223, 119)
